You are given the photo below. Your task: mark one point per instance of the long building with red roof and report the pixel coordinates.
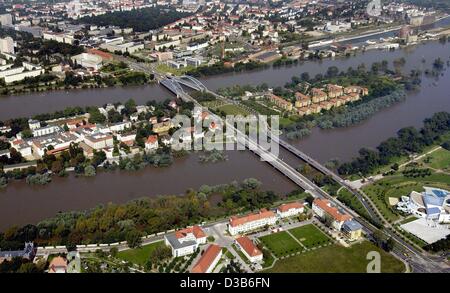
(208, 260)
(251, 222)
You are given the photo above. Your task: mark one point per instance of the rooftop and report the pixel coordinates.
(248, 246)
(207, 259)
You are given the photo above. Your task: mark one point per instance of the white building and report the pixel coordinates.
(99, 141)
(22, 147)
(88, 61)
(249, 249)
(251, 222)
(46, 130)
(151, 143)
(290, 209)
(120, 126)
(53, 143)
(432, 204)
(20, 73)
(7, 45)
(34, 124)
(186, 241)
(5, 19)
(59, 37)
(118, 46)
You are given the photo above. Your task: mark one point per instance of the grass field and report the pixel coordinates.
(337, 259)
(231, 109)
(352, 201)
(310, 236)
(163, 68)
(139, 255)
(439, 159)
(281, 243)
(398, 185)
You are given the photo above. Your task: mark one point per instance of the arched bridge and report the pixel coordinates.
(175, 84)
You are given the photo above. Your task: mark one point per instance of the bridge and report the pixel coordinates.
(175, 85)
(418, 260)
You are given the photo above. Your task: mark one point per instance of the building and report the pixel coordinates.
(151, 143)
(251, 222)
(53, 143)
(120, 126)
(334, 91)
(119, 46)
(162, 127)
(352, 230)
(280, 102)
(34, 124)
(28, 253)
(87, 60)
(20, 73)
(6, 19)
(324, 208)
(7, 45)
(318, 95)
(22, 147)
(290, 209)
(185, 241)
(58, 265)
(59, 37)
(432, 204)
(302, 100)
(208, 260)
(249, 249)
(99, 141)
(46, 130)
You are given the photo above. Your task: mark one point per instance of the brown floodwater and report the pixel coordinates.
(21, 203)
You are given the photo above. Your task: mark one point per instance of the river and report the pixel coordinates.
(21, 204)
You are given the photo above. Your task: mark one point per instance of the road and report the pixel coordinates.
(418, 260)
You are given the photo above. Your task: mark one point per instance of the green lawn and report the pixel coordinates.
(398, 185)
(163, 68)
(352, 202)
(310, 236)
(337, 259)
(139, 255)
(231, 109)
(281, 243)
(439, 159)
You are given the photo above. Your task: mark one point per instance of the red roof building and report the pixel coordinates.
(249, 249)
(251, 222)
(290, 209)
(208, 260)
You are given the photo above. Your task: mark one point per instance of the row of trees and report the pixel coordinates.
(111, 223)
(141, 20)
(409, 140)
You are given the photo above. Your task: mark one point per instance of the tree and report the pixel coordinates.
(133, 238)
(95, 116)
(27, 133)
(57, 166)
(98, 158)
(389, 245)
(113, 251)
(89, 171)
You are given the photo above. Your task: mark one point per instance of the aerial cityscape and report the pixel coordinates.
(225, 137)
